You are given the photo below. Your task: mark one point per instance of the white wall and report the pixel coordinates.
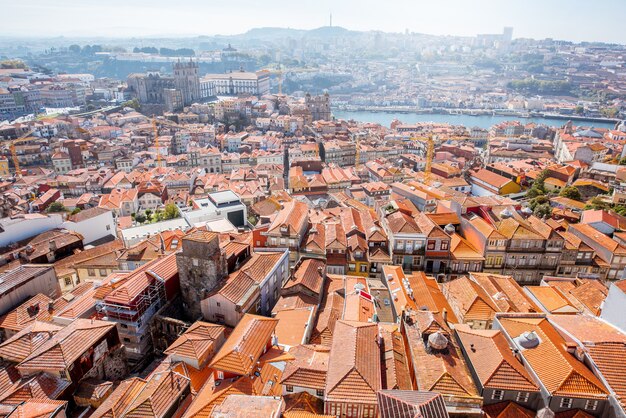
(95, 228)
(614, 307)
(15, 230)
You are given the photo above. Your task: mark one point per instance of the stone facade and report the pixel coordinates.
(201, 267)
(319, 106)
(187, 81)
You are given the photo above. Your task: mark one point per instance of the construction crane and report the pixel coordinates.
(156, 141)
(156, 121)
(430, 153)
(16, 163)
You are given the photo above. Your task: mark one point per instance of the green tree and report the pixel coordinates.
(537, 201)
(533, 192)
(539, 181)
(140, 218)
(543, 210)
(56, 207)
(622, 161)
(75, 211)
(134, 103)
(609, 112)
(171, 211)
(571, 192)
(597, 203)
(158, 216)
(579, 110)
(148, 214)
(13, 64)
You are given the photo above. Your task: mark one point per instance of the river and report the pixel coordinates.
(483, 121)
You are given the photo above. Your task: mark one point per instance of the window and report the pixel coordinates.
(320, 392)
(522, 397)
(195, 262)
(591, 405)
(497, 394)
(444, 245)
(126, 340)
(219, 304)
(91, 272)
(289, 388)
(566, 403)
(108, 227)
(68, 281)
(103, 272)
(220, 374)
(363, 268)
(431, 244)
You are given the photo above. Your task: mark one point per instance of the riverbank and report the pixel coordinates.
(386, 115)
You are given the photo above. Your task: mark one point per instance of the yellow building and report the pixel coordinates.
(4, 166)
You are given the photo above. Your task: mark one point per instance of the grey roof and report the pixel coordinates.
(411, 404)
(588, 133)
(20, 275)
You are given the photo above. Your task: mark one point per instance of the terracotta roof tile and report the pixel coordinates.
(197, 342)
(492, 360)
(560, 371)
(245, 345)
(309, 368)
(353, 376)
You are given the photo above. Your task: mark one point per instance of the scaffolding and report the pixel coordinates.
(148, 302)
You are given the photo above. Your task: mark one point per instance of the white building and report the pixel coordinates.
(25, 226)
(219, 205)
(614, 306)
(93, 224)
(236, 83)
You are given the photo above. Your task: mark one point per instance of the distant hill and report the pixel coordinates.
(274, 33)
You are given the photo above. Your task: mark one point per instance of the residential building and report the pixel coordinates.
(132, 299)
(565, 381)
(353, 378)
(254, 288)
(498, 374)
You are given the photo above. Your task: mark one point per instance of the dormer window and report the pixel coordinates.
(284, 229)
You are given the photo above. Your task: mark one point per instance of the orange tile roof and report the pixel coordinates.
(491, 178)
(39, 408)
(64, 347)
(293, 325)
(119, 400)
(310, 274)
(605, 344)
(245, 345)
(469, 300)
(309, 367)
(507, 409)
(551, 300)
(560, 372)
(22, 344)
(492, 360)
(197, 342)
(505, 292)
(440, 371)
(396, 369)
(39, 386)
(214, 393)
(161, 391)
(584, 294)
(352, 375)
(138, 281)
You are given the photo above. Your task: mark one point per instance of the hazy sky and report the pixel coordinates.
(577, 20)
